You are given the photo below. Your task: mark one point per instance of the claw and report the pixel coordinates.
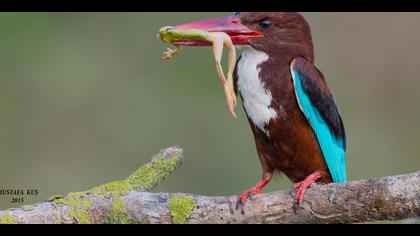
(240, 205)
(243, 197)
(292, 192)
(303, 185)
(296, 206)
(253, 191)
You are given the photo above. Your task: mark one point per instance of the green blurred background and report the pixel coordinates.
(85, 99)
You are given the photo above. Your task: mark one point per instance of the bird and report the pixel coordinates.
(294, 118)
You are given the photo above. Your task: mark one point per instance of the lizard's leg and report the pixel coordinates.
(169, 53)
(218, 43)
(231, 64)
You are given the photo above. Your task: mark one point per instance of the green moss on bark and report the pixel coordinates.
(145, 178)
(79, 206)
(181, 208)
(118, 214)
(149, 175)
(7, 219)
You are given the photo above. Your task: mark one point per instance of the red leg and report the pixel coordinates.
(303, 185)
(296, 186)
(252, 191)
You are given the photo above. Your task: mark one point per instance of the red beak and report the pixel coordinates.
(239, 33)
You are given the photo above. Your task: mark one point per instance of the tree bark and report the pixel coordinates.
(128, 201)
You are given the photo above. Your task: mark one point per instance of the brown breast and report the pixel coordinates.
(286, 142)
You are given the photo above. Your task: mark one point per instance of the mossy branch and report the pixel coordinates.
(103, 204)
(128, 201)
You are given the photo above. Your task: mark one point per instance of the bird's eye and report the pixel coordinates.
(265, 23)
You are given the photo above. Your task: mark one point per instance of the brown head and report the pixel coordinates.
(284, 33)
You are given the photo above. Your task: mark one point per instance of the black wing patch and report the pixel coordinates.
(314, 84)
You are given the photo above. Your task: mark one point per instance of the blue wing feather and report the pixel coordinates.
(332, 145)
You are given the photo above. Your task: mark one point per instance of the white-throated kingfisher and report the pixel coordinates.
(296, 124)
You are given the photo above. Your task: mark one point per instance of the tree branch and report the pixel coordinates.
(128, 201)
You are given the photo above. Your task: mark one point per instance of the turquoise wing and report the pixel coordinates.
(317, 103)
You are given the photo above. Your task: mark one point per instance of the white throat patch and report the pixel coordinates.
(256, 98)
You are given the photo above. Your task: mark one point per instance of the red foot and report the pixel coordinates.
(255, 190)
(248, 194)
(303, 185)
